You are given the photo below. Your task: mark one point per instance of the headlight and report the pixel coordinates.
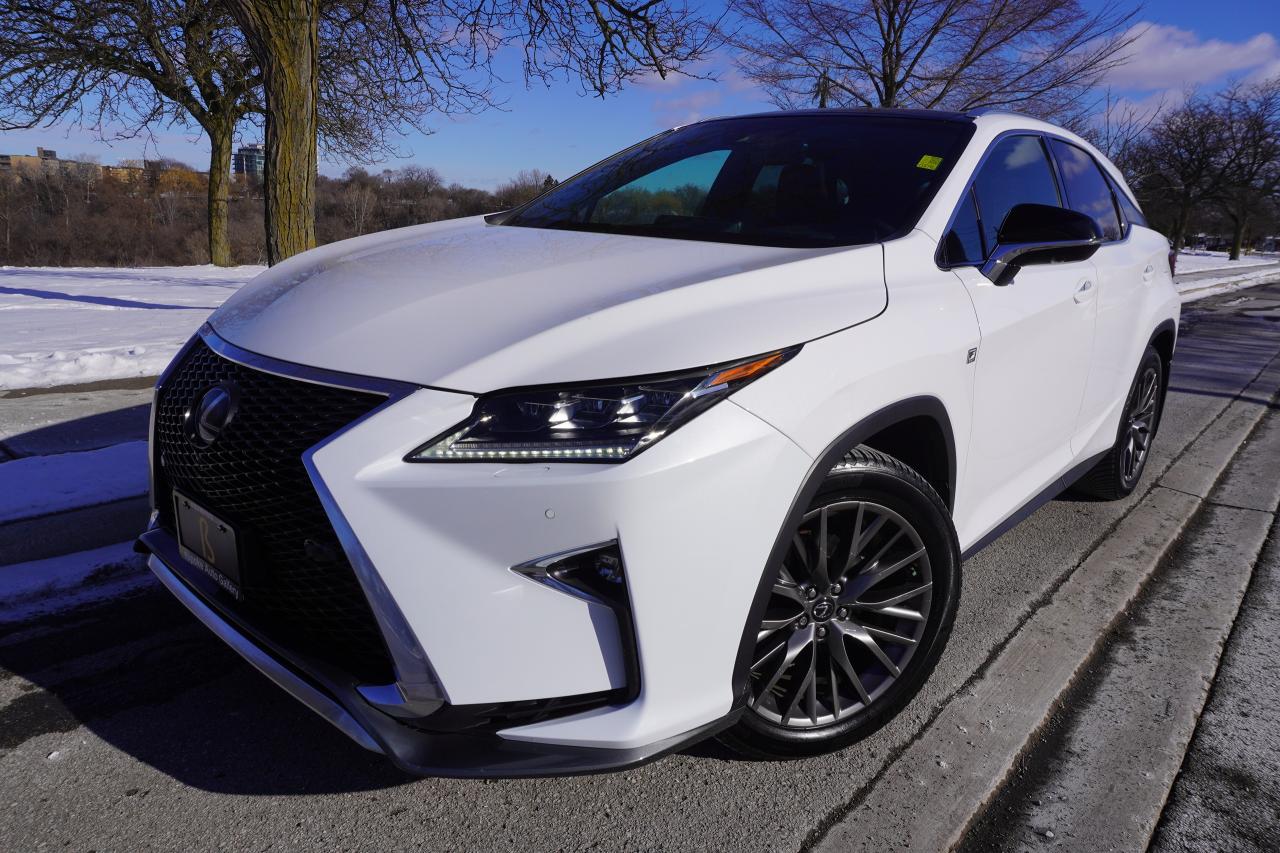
(590, 423)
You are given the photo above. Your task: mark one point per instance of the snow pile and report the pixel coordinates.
(1202, 274)
(64, 325)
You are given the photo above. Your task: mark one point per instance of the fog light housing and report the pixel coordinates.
(595, 573)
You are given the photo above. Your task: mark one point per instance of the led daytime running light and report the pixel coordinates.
(607, 422)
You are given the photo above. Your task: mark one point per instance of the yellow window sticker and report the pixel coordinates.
(929, 162)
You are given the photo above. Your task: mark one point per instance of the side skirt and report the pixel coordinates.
(1050, 492)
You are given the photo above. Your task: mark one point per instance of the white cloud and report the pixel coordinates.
(673, 112)
(1167, 57)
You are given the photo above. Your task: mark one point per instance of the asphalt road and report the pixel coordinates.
(124, 725)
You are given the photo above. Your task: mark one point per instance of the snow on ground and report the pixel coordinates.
(39, 485)
(63, 325)
(1229, 281)
(28, 589)
(1191, 260)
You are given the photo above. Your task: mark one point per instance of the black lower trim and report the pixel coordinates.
(912, 407)
(410, 747)
(1051, 491)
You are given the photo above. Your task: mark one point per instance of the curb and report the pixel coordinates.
(936, 788)
(72, 530)
(1099, 773)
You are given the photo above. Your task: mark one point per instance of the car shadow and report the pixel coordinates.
(140, 673)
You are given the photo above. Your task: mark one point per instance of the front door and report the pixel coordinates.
(1037, 335)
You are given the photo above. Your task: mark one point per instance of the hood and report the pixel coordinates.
(469, 306)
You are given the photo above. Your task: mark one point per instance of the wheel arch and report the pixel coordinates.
(913, 418)
(1165, 340)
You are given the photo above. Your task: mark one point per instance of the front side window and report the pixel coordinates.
(1087, 190)
(964, 240)
(801, 180)
(1017, 171)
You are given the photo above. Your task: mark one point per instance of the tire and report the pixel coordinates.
(1119, 471)
(907, 589)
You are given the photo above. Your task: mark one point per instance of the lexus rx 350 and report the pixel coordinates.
(692, 444)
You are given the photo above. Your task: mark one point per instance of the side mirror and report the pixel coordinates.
(1040, 234)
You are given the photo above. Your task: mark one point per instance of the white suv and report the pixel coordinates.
(692, 444)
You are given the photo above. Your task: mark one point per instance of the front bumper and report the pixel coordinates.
(334, 698)
(434, 546)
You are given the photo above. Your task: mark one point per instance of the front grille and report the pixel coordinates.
(299, 590)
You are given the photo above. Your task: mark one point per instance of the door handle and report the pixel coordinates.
(1084, 290)
(1148, 273)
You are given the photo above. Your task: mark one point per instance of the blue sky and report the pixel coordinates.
(559, 130)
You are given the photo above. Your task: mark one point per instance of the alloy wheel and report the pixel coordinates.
(1140, 425)
(848, 609)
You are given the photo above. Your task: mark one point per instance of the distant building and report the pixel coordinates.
(44, 159)
(250, 160)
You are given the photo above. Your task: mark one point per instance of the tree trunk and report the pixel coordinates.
(1180, 225)
(1238, 225)
(220, 137)
(284, 36)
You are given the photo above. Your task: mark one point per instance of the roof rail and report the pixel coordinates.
(987, 111)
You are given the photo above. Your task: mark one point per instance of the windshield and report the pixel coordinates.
(787, 180)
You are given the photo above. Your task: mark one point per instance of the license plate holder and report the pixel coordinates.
(208, 543)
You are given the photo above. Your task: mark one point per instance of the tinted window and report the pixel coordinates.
(1132, 214)
(964, 240)
(801, 180)
(1087, 190)
(1017, 171)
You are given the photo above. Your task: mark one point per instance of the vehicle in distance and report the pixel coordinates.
(692, 444)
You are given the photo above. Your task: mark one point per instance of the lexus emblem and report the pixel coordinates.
(211, 414)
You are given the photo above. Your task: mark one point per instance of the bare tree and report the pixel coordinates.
(1251, 125)
(130, 64)
(526, 185)
(1181, 163)
(436, 56)
(1120, 127)
(1039, 56)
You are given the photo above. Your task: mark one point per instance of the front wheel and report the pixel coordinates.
(861, 607)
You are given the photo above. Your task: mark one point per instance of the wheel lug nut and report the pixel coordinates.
(843, 613)
(804, 620)
(835, 589)
(811, 592)
(822, 632)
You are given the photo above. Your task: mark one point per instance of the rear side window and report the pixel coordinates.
(1131, 213)
(1016, 172)
(1087, 190)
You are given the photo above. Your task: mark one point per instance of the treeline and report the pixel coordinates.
(1207, 170)
(80, 217)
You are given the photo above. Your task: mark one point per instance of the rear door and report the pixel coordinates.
(1037, 333)
(1126, 265)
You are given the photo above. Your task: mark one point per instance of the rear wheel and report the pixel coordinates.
(861, 607)
(1117, 473)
